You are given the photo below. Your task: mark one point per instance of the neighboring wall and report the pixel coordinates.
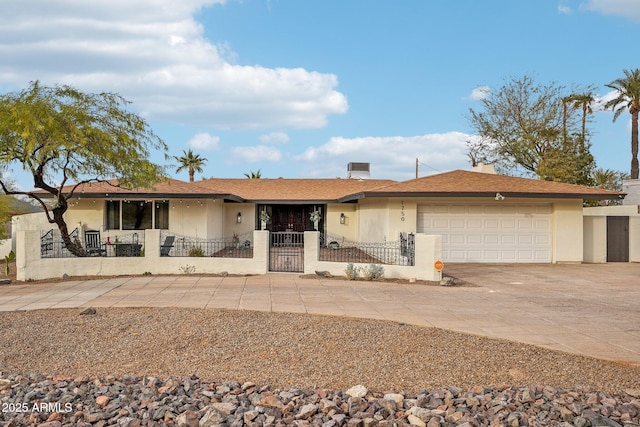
(595, 231)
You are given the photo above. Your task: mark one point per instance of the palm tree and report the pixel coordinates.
(584, 101)
(254, 175)
(192, 162)
(628, 96)
(610, 180)
(606, 178)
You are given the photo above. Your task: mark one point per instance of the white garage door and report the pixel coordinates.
(489, 233)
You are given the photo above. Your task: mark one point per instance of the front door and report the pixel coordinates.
(287, 227)
(617, 239)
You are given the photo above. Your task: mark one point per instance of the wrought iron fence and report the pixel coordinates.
(236, 246)
(52, 245)
(339, 249)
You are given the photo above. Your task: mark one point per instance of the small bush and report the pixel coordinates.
(188, 269)
(352, 271)
(196, 251)
(373, 272)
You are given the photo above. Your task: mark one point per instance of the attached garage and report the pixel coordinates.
(485, 217)
(489, 232)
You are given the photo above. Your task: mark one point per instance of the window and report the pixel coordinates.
(113, 215)
(136, 215)
(162, 215)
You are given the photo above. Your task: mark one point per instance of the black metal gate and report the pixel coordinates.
(286, 251)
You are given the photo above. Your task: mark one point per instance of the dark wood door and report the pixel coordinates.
(617, 239)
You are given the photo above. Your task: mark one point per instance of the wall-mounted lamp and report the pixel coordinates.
(342, 218)
(239, 218)
(499, 196)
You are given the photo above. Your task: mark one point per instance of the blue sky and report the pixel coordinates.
(298, 89)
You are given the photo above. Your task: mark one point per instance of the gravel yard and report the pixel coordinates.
(286, 350)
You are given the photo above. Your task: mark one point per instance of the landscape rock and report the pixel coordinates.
(88, 310)
(189, 402)
(357, 391)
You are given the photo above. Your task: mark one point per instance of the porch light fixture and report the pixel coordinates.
(342, 218)
(239, 218)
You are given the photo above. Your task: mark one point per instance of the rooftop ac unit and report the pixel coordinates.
(358, 170)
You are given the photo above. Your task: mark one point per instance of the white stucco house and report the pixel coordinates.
(478, 217)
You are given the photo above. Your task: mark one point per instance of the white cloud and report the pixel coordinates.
(626, 8)
(260, 153)
(275, 138)
(205, 142)
(566, 10)
(391, 157)
(480, 93)
(154, 53)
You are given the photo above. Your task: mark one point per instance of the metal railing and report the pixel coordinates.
(236, 246)
(339, 249)
(52, 245)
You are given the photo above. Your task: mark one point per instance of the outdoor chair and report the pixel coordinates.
(92, 243)
(165, 248)
(46, 242)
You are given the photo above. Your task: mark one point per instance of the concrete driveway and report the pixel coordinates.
(590, 309)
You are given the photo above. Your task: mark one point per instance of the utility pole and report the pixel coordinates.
(416, 168)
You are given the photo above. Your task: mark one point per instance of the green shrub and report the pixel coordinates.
(373, 272)
(196, 251)
(352, 271)
(8, 259)
(188, 269)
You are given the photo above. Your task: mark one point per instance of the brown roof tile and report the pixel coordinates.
(291, 189)
(457, 183)
(460, 183)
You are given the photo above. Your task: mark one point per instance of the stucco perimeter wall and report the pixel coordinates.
(595, 231)
(567, 231)
(595, 239)
(31, 267)
(428, 251)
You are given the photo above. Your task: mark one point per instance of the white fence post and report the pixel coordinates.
(311, 251)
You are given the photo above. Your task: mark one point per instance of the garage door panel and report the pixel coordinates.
(508, 239)
(457, 239)
(542, 224)
(474, 224)
(525, 224)
(475, 239)
(490, 233)
(491, 224)
(525, 239)
(492, 239)
(508, 224)
(440, 223)
(542, 240)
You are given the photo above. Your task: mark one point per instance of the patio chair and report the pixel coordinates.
(165, 248)
(46, 242)
(92, 243)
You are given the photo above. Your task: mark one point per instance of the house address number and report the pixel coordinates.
(402, 210)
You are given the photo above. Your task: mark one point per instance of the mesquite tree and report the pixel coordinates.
(538, 129)
(65, 138)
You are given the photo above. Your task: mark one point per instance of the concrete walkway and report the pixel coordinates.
(592, 310)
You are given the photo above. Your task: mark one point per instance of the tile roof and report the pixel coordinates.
(166, 187)
(461, 183)
(302, 190)
(457, 183)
